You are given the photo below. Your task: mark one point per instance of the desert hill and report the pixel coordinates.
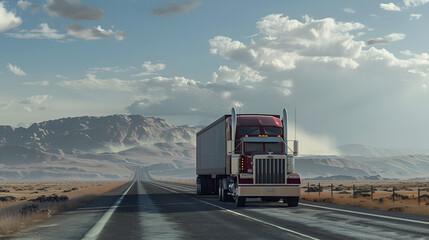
(93, 147)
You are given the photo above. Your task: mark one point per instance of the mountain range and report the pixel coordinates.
(110, 147)
(93, 147)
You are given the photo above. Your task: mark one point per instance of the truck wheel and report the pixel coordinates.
(226, 197)
(240, 201)
(204, 186)
(292, 201)
(198, 186)
(221, 197)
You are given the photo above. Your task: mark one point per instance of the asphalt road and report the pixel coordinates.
(159, 210)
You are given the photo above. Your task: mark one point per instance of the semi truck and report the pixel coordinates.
(242, 156)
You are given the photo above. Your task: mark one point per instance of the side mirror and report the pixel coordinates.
(295, 148)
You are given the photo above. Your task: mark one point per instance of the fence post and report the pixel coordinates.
(418, 195)
(332, 191)
(372, 192)
(308, 188)
(393, 194)
(354, 188)
(319, 190)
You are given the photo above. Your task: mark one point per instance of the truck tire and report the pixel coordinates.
(204, 185)
(240, 201)
(291, 201)
(198, 186)
(227, 197)
(220, 192)
(223, 195)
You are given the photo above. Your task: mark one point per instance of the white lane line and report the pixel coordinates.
(243, 215)
(98, 227)
(366, 214)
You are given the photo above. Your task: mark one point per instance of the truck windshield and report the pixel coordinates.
(272, 131)
(250, 148)
(251, 131)
(274, 147)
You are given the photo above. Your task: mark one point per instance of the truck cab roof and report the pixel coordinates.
(258, 120)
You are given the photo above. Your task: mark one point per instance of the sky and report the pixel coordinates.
(355, 71)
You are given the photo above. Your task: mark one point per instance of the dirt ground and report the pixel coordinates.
(23, 204)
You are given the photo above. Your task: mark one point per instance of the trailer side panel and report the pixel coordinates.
(211, 149)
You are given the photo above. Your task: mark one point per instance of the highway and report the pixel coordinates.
(148, 209)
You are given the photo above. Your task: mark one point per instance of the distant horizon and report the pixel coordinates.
(202, 126)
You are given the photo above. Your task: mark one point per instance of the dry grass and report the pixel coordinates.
(405, 196)
(14, 216)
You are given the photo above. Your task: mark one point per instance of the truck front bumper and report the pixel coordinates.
(269, 190)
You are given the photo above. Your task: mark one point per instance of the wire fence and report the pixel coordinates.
(379, 193)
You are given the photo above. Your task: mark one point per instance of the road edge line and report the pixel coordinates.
(99, 225)
(366, 214)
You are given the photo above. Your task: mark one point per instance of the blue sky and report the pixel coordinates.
(355, 70)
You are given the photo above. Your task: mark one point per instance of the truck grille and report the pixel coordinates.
(269, 170)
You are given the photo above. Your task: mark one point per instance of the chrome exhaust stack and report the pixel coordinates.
(285, 129)
(235, 158)
(233, 124)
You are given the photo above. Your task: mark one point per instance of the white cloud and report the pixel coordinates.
(150, 67)
(24, 4)
(114, 69)
(349, 10)
(43, 32)
(321, 68)
(16, 70)
(40, 83)
(390, 7)
(393, 37)
(415, 3)
(7, 104)
(287, 41)
(95, 33)
(92, 82)
(143, 74)
(60, 76)
(225, 75)
(8, 20)
(179, 96)
(415, 16)
(34, 100)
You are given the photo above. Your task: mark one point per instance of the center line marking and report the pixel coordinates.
(98, 227)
